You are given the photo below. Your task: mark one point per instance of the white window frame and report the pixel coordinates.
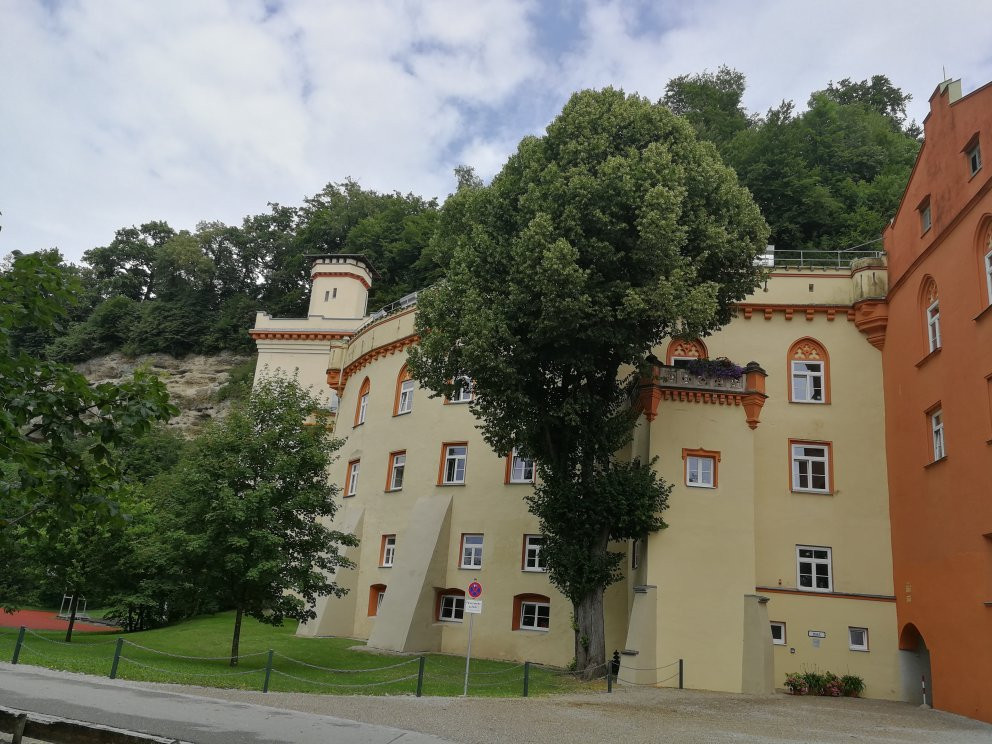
(687, 361)
(353, 468)
(778, 641)
(472, 554)
(694, 469)
(801, 459)
(397, 466)
(380, 595)
(813, 562)
(807, 380)
(388, 551)
(937, 434)
(463, 393)
(406, 398)
(926, 218)
(863, 646)
(363, 405)
(974, 156)
(988, 275)
(933, 325)
(538, 606)
(532, 554)
(452, 474)
(519, 474)
(635, 555)
(455, 608)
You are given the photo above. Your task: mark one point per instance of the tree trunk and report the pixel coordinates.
(72, 615)
(590, 635)
(237, 637)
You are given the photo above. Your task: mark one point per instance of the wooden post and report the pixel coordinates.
(17, 646)
(18, 732)
(526, 678)
(681, 673)
(420, 676)
(268, 672)
(117, 658)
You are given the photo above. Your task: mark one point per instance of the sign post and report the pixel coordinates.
(472, 607)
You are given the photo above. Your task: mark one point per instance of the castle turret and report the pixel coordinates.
(341, 284)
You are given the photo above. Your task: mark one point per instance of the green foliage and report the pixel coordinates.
(615, 229)
(239, 381)
(57, 431)
(828, 178)
(248, 504)
(812, 682)
(852, 685)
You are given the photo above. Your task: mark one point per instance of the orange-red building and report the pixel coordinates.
(937, 362)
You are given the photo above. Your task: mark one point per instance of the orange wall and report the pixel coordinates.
(941, 512)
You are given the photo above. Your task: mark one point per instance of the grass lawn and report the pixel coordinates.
(155, 656)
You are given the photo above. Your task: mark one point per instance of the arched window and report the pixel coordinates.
(377, 593)
(363, 402)
(930, 306)
(531, 612)
(985, 260)
(403, 401)
(809, 372)
(681, 351)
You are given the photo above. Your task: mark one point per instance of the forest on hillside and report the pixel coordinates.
(826, 178)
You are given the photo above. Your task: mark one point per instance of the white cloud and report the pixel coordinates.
(118, 112)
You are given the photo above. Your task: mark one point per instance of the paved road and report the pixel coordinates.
(188, 717)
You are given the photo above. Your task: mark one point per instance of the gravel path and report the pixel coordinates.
(636, 715)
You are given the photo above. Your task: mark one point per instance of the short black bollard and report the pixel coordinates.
(117, 658)
(526, 678)
(615, 664)
(609, 680)
(268, 672)
(420, 676)
(17, 646)
(681, 678)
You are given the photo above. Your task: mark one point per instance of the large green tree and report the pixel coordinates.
(616, 228)
(250, 500)
(58, 432)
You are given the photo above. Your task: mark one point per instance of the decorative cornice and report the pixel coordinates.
(370, 356)
(350, 275)
(259, 334)
(747, 309)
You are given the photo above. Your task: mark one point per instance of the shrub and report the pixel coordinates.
(720, 367)
(852, 685)
(827, 683)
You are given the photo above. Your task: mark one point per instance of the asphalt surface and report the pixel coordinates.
(631, 715)
(182, 716)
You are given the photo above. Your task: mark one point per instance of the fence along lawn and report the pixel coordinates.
(196, 653)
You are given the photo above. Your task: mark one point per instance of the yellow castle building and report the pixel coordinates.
(777, 557)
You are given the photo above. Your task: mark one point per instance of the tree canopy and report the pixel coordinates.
(616, 228)
(248, 503)
(828, 178)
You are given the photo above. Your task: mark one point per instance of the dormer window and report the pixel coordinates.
(926, 218)
(973, 154)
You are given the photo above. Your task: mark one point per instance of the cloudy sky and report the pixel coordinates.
(115, 112)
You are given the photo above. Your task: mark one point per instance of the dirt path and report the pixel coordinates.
(42, 620)
(639, 715)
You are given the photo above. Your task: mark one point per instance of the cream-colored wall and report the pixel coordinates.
(723, 544)
(483, 505)
(306, 359)
(879, 666)
(703, 563)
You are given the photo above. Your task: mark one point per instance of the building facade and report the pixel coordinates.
(937, 364)
(777, 558)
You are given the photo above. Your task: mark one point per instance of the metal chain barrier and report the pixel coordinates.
(190, 674)
(353, 684)
(194, 658)
(345, 671)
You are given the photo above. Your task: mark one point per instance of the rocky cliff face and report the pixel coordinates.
(192, 382)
